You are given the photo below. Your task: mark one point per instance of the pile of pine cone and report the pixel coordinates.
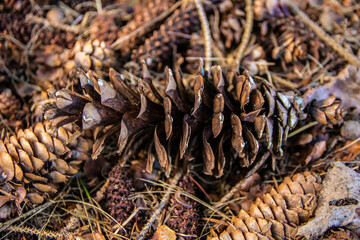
(136, 119)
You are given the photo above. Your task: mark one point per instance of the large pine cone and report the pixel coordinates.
(36, 161)
(277, 214)
(244, 123)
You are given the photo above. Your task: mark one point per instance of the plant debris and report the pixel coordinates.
(179, 119)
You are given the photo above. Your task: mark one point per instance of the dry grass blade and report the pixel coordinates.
(206, 32)
(247, 32)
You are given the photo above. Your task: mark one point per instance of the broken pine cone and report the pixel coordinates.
(276, 214)
(242, 125)
(36, 161)
(56, 66)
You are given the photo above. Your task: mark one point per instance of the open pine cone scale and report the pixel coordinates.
(247, 123)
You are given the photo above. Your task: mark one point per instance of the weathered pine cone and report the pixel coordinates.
(36, 161)
(209, 121)
(184, 211)
(56, 66)
(277, 214)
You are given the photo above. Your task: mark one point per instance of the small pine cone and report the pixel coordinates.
(328, 111)
(56, 66)
(54, 35)
(143, 13)
(278, 213)
(36, 161)
(104, 28)
(295, 43)
(53, 66)
(9, 103)
(159, 48)
(244, 123)
(184, 211)
(93, 55)
(118, 200)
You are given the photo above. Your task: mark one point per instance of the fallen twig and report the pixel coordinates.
(206, 34)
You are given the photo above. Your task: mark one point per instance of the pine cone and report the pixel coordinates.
(231, 23)
(278, 213)
(104, 28)
(9, 103)
(245, 123)
(56, 66)
(184, 212)
(118, 200)
(196, 50)
(143, 13)
(328, 111)
(294, 41)
(160, 46)
(36, 161)
(13, 21)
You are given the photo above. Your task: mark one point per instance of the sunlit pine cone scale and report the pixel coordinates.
(56, 66)
(184, 211)
(36, 161)
(209, 122)
(277, 214)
